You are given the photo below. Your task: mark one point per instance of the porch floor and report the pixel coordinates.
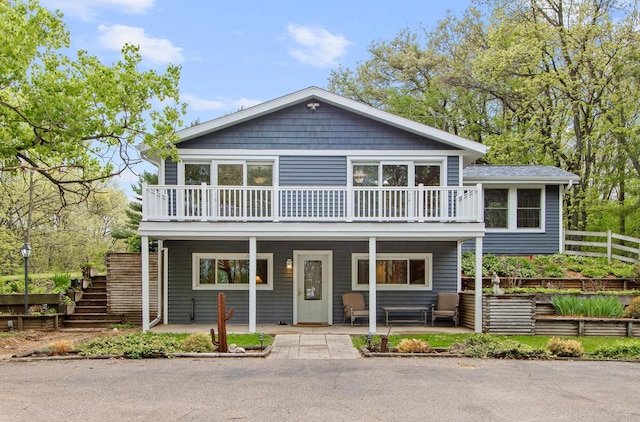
(275, 329)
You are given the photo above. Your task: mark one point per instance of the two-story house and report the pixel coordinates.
(287, 205)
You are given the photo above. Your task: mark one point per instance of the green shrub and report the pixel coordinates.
(61, 282)
(595, 272)
(197, 343)
(468, 263)
(627, 350)
(491, 264)
(552, 270)
(564, 348)
(486, 346)
(133, 345)
(597, 306)
(633, 310)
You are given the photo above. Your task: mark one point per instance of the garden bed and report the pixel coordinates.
(19, 322)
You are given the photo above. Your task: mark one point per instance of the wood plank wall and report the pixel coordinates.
(124, 285)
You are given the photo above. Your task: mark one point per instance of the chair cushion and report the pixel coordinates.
(444, 313)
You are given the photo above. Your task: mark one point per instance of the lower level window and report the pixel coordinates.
(394, 271)
(230, 271)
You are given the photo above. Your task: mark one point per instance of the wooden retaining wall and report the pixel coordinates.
(533, 314)
(585, 284)
(124, 285)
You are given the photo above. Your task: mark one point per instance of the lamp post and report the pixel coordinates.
(25, 251)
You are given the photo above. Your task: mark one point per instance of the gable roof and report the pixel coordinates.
(518, 173)
(472, 150)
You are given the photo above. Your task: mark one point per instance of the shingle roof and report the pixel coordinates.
(515, 173)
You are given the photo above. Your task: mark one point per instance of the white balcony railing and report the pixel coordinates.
(337, 204)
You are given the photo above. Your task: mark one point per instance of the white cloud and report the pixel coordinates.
(316, 46)
(221, 103)
(156, 50)
(87, 9)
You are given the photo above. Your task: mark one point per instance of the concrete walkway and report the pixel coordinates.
(313, 346)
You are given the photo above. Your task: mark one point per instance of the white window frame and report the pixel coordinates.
(272, 161)
(428, 271)
(195, 266)
(512, 209)
(377, 161)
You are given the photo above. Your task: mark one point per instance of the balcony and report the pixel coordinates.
(312, 204)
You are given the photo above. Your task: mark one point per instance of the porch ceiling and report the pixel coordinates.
(311, 231)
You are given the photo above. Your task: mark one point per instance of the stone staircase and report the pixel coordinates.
(91, 310)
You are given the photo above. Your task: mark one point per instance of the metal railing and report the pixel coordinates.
(336, 203)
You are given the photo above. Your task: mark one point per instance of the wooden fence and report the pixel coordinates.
(602, 244)
(124, 285)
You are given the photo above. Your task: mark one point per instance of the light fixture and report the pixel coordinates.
(313, 106)
(359, 175)
(289, 264)
(258, 280)
(25, 251)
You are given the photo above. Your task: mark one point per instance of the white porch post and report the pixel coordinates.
(145, 282)
(478, 287)
(252, 284)
(372, 285)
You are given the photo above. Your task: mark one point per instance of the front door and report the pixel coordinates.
(313, 287)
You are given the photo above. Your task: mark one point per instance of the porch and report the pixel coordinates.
(275, 329)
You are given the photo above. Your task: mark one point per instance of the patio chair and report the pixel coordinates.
(446, 307)
(354, 307)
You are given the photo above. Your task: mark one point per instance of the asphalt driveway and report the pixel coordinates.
(381, 389)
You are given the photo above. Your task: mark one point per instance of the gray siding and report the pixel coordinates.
(297, 128)
(521, 243)
(313, 171)
(453, 171)
(277, 304)
(170, 172)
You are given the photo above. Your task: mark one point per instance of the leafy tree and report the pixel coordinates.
(540, 81)
(74, 121)
(129, 232)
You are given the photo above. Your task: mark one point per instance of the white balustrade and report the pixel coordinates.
(342, 203)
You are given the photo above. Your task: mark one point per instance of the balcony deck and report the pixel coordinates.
(342, 204)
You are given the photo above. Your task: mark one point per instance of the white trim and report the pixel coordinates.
(144, 247)
(373, 291)
(241, 154)
(165, 284)
(296, 264)
(253, 284)
(428, 271)
(192, 230)
(459, 265)
(195, 271)
(512, 209)
(478, 287)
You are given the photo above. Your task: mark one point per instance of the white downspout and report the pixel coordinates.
(165, 284)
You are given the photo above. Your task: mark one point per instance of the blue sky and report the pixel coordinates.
(237, 54)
